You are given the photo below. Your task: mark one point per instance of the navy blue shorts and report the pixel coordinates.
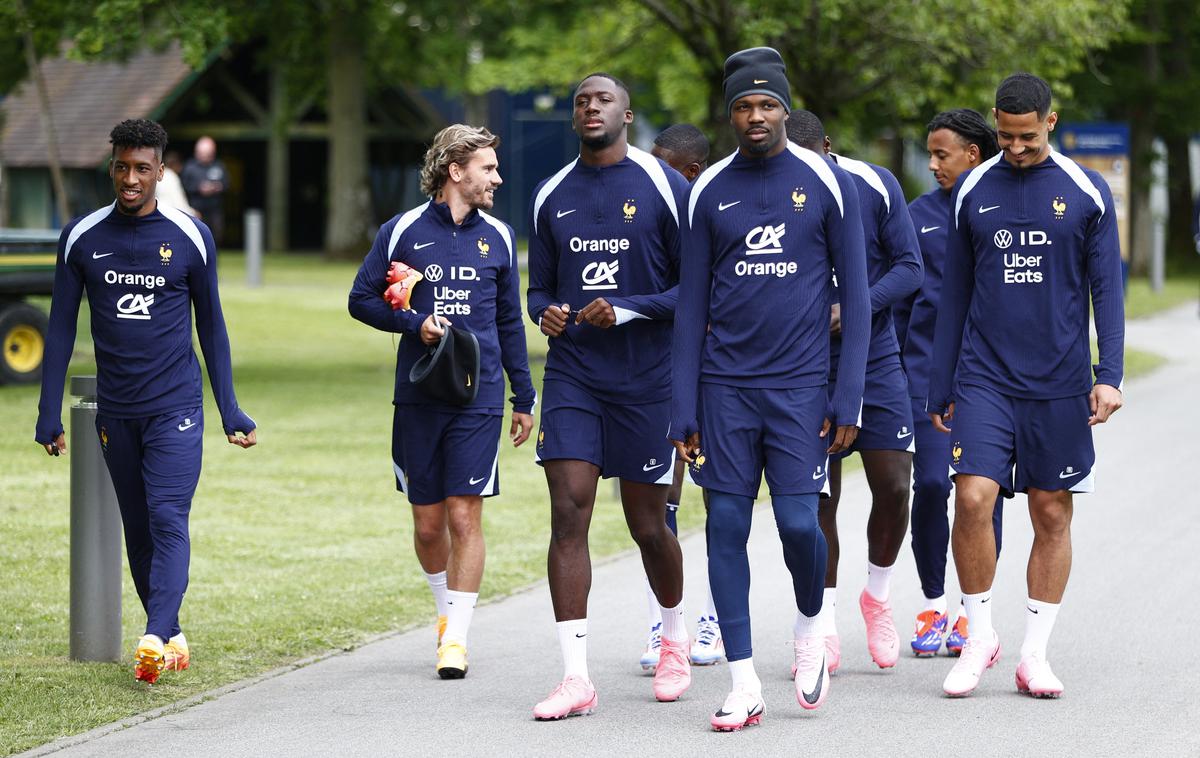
(744, 432)
(625, 441)
(436, 454)
(1047, 442)
(887, 421)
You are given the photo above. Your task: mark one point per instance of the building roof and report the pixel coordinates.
(87, 99)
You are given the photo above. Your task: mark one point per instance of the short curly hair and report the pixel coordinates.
(454, 144)
(139, 132)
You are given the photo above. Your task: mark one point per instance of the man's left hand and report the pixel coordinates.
(597, 313)
(250, 439)
(522, 426)
(1104, 400)
(843, 438)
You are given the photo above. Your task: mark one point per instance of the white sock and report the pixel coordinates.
(879, 581)
(805, 626)
(962, 614)
(827, 617)
(572, 638)
(652, 609)
(937, 604)
(179, 640)
(979, 615)
(437, 583)
(673, 626)
(460, 607)
(1039, 622)
(710, 610)
(744, 676)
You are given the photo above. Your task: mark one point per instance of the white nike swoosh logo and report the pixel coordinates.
(477, 481)
(648, 467)
(818, 475)
(723, 206)
(101, 255)
(560, 214)
(185, 427)
(423, 244)
(1065, 475)
(901, 436)
(928, 229)
(989, 208)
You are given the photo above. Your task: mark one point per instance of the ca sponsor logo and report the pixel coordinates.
(433, 272)
(601, 275)
(765, 240)
(135, 306)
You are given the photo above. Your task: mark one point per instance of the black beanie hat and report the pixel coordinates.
(756, 71)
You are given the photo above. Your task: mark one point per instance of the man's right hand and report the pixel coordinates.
(554, 319)
(57, 447)
(431, 329)
(835, 320)
(940, 419)
(688, 449)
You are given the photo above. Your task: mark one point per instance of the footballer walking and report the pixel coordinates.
(603, 271)
(145, 266)
(445, 455)
(764, 230)
(1033, 234)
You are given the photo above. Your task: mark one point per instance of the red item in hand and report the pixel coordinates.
(401, 279)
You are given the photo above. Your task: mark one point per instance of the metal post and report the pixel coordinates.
(254, 247)
(96, 537)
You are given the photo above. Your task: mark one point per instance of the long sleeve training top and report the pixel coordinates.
(471, 278)
(916, 316)
(894, 268)
(1025, 248)
(143, 276)
(610, 232)
(762, 240)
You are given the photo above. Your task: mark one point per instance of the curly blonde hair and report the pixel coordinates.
(454, 144)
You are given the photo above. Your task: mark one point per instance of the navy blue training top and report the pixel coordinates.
(143, 275)
(916, 315)
(471, 279)
(894, 268)
(610, 232)
(1026, 247)
(761, 241)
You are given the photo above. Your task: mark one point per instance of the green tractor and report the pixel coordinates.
(26, 268)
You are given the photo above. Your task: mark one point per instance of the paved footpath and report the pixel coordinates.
(1123, 645)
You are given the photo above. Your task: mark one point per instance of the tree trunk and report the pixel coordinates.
(35, 71)
(1141, 220)
(348, 217)
(277, 160)
(1179, 201)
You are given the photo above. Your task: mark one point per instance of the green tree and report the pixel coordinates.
(1149, 79)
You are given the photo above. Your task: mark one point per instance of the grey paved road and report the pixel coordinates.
(1123, 644)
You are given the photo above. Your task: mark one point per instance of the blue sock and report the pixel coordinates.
(804, 548)
(671, 518)
(728, 530)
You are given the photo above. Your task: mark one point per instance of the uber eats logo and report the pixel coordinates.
(765, 240)
(1020, 268)
(449, 300)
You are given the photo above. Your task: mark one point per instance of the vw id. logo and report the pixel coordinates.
(1003, 238)
(433, 272)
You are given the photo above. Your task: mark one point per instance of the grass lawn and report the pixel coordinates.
(300, 545)
(1140, 301)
